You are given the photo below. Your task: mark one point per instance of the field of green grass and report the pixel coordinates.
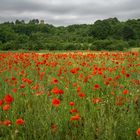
(82, 95)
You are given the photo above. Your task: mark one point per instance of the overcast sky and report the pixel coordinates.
(66, 12)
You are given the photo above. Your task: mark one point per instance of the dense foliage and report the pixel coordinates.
(108, 34)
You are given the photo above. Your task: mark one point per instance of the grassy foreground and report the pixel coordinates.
(70, 96)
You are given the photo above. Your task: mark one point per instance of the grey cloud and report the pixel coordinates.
(62, 12)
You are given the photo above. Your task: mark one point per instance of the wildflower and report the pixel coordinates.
(106, 83)
(96, 100)
(127, 75)
(117, 77)
(74, 84)
(53, 127)
(73, 111)
(35, 87)
(13, 78)
(29, 81)
(14, 90)
(20, 121)
(138, 131)
(115, 84)
(74, 70)
(112, 93)
(60, 91)
(39, 93)
(121, 87)
(55, 102)
(6, 107)
(1, 102)
(119, 100)
(26, 80)
(78, 89)
(76, 117)
(22, 86)
(96, 86)
(71, 103)
(80, 76)
(109, 79)
(125, 91)
(86, 79)
(7, 122)
(54, 81)
(81, 94)
(55, 90)
(8, 98)
(100, 72)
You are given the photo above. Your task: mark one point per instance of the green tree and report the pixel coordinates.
(7, 34)
(34, 21)
(101, 29)
(127, 33)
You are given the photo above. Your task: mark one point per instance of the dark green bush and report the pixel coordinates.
(134, 43)
(101, 44)
(11, 45)
(54, 46)
(72, 46)
(120, 45)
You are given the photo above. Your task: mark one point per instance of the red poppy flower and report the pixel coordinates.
(74, 70)
(73, 111)
(96, 86)
(8, 98)
(125, 91)
(55, 90)
(96, 100)
(81, 94)
(29, 81)
(119, 100)
(1, 102)
(53, 127)
(13, 78)
(106, 83)
(127, 75)
(54, 81)
(109, 79)
(20, 121)
(14, 90)
(138, 131)
(26, 80)
(75, 118)
(78, 89)
(55, 102)
(71, 103)
(61, 91)
(117, 77)
(7, 122)
(22, 86)
(35, 87)
(6, 107)
(74, 84)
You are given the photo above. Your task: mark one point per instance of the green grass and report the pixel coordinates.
(135, 49)
(64, 51)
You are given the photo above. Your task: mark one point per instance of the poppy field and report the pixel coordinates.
(70, 96)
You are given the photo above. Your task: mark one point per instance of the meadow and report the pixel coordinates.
(70, 96)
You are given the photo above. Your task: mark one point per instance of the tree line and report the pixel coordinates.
(107, 34)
